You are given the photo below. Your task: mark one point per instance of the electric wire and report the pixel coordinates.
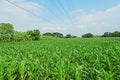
(30, 12)
(59, 1)
(69, 4)
(53, 13)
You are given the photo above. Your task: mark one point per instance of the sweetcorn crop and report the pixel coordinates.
(61, 59)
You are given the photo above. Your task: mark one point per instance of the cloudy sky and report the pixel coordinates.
(66, 16)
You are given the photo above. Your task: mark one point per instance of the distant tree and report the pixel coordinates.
(20, 36)
(116, 34)
(68, 36)
(111, 34)
(6, 28)
(57, 35)
(6, 37)
(34, 35)
(73, 36)
(88, 35)
(48, 34)
(107, 34)
(37, 34)
(6, 32)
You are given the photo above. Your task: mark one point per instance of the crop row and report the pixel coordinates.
(62, 59)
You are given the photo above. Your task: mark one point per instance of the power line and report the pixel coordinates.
(50, 10)
(63, 8)
(41, 3)
(29, 12)
(69, 18)
(21, 8)
(69, 4)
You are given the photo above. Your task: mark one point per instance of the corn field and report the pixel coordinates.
(61, 59)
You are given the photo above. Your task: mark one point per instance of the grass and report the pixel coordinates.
(61, 59)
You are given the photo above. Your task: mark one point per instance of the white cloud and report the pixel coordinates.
(26, 20)
(11, 10)
(52, 27)
(96, 21)
(100, 21)
(79, 11)
(81, 26)
(17, 16)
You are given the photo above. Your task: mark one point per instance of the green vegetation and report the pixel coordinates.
(88, 35)
(6, 28)
(61, 59)
(52, 56)
(8, 34)
(70, 36)
(111, 34)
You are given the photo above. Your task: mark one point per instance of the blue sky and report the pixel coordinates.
(66, 16)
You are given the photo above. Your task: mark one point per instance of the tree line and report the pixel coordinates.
(106, 34)
(7, 33)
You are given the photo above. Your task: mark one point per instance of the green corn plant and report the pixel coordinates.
(21, 69)
(61, 59)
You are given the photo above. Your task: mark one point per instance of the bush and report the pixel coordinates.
(88, 35)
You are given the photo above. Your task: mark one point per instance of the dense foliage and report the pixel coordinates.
(88, 35)
(48, 34)
(8, 34)
(62, 59)
(70, 36)
(6, 28)
(54, 34)
(111, 34)
(34, 35)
